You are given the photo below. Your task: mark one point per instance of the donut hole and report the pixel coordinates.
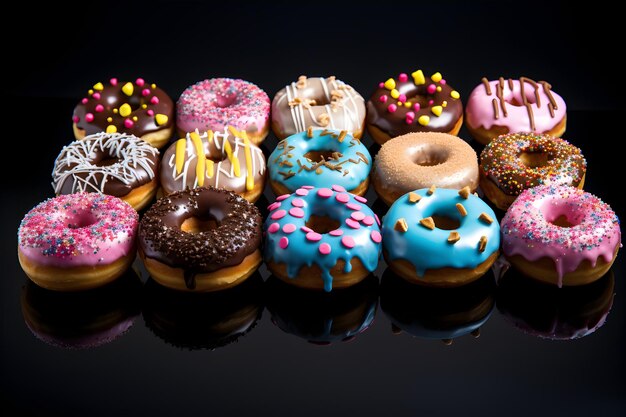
(517, 100)
(216, 158)
(535, 159)
(562, 214)
(81, 219)
(322, 224)
(198, 225)
(429, 156)
(318, 156)
(444, 222)
(225, 100)
(562, 221)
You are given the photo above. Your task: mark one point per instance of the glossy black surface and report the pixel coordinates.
(268, 349)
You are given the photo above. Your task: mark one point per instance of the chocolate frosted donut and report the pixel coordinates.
(138, 108)
(420, 104)
(319, 103)
(204, 239)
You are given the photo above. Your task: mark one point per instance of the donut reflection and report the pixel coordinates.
(85, 319)
(203, 320)
(319, 317)
(437, 313)
(550, 312)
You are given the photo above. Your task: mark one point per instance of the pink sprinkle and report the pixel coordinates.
(313, 236)
(347, 241)
(324, 248)
(360, 199)
(150, 112)
(289, 228)
(283, 242)
(273, 206)
(75, 119)
(336, 232)
(278, 214)
(128, 123)
(154, 100)
(368, 220)
(306, 229)
(96, 95)
(297, 202)
(377, 219)
(403, 78)
(89, 117)
(376, 237)
(343, 198)
(84, 101)
(296, 212)
(358, 216)
(282, 197)
(273, 228)
(381, 85)
(416, 107)
(99, 108)
(383, 98)
(402, 98)
(145, 92)
(392, 108)
(113, 81)
(338, 188)
(410, 115)
(353, 206)
(325, 192)
(442, 82)
(431, 89)
(140, 82)
(307, 187)
(353, 224)
(431, 102)
(302, 192)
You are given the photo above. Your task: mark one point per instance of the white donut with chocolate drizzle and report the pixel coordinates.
(320, 103)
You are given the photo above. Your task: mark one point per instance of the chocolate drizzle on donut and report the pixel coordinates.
(237, 235)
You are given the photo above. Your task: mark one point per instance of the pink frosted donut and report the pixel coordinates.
(77, 241)
(560, 235)
(217, 103)
(506, 106)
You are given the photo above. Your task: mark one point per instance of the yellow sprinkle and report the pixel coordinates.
(444, 104)
(109, 119)
(98, 86)
(115, 111)
(111, 129)
(461, 209)
(248, 153)
(408, 104)
(401, 225)
(160, 119)
(390, 84)
(153, 86)
(125, 110)
(144, 106)
(395, 93)
(428, 223)
(436, 110)
(90, 92)
(455, 94)
(431, 190)
(399, 104)
(423, 120)
(418, 77)
(436, 77)
(200, 169)
(135, 118)
(414, 197)
(209, 168)
(438, 88)
(181, 145)
(128, 89)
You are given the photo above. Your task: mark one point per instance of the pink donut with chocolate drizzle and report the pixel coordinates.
(560, 235)
(502, 106)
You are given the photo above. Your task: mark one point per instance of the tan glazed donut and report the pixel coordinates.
(421, 160)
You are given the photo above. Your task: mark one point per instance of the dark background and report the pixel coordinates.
(268, 371)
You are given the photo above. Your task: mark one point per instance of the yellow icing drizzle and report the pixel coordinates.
(209, 168)
(197, 142)
(229, 153)
(181, 144)
(249, 173)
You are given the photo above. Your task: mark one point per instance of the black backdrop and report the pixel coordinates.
(59, 51)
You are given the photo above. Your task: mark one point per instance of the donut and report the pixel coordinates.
(436, 313)
(499, 107)
(511, 163)
(217, 103)
(77, 241)
(320, 103)
(321, 238)
(204, 239)
(116, 164)
(138, 108)
(440, 237)
(320, 158)
(227, 160)
(419, 160)
(566, 313)
(323, 318)
(560, 235)
(421, 104)
(82, 320)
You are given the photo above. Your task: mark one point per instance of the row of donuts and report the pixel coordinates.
(399, 105)
(213, 320)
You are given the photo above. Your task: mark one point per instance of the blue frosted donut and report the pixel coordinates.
(297, 161)
(340, 257)
(459, 252)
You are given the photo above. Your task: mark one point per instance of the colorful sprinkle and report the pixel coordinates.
(353, 206)
(358, 216)
(324, 249)
(302, 192)
(338, 188)
(360, 199)
(273, 206)
(353, 224)
(284, 196)
(423, 120)
(313, 236)
(283, 243)
(392, 108)
(418, 77)
(128, 89)
(279, 214)
(296, 212)
(336, 232)
(89, 117)
(342, 198)
(368, 220)
(390, 84)
(376, 236)
(325, 192)
(289, 228)
(348, 242)
(273, 228)
(297, 202)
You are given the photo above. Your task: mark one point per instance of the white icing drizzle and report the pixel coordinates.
(77, 158)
